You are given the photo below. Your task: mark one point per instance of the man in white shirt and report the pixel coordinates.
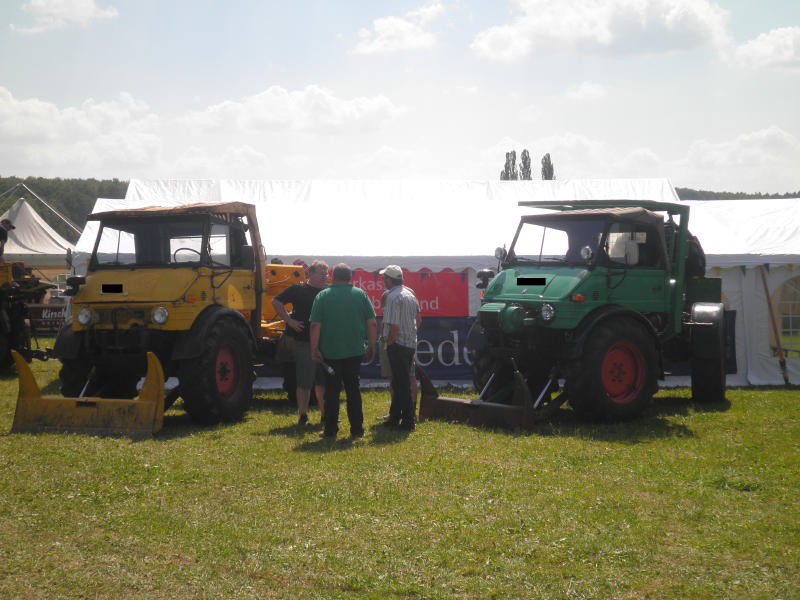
(401, 319)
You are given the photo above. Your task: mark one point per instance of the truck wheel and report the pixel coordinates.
(73, 375)
(5, 351)
(218, 385)
(617, 374)
(708, 359)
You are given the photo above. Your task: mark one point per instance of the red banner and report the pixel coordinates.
(443, 294)
(47, 319)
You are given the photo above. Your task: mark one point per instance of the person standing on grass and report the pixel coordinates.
(386, 369)
(341, 319)
(308, 373)
(401, 318)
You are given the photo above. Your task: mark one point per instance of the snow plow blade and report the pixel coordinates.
(474, 412)
(136, 418)
(520, 414)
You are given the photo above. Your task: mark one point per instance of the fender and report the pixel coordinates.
(190, 346)
(707, 327)
(593, 319)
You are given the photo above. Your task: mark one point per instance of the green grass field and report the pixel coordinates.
(687, 502)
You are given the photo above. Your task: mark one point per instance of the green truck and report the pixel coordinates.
(589, 300)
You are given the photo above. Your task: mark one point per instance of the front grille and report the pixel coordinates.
(122, 317)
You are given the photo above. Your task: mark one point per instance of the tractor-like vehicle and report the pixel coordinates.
(589, 299)
(174, 292)
(18, 288)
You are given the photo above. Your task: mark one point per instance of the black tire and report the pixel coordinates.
(218, 385)
(617, 374)
(73, 375)
(484, 366)
(708, 373)
(5, 351)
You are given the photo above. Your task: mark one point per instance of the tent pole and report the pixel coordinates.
(75, 228)
(775, 330)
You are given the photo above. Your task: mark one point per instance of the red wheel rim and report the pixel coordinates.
(225, 371)
(623, 372)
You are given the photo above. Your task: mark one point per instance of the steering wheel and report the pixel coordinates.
(175, 254)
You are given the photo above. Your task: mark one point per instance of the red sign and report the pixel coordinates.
(443, 294)
(47, 319)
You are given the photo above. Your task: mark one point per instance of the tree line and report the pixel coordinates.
(73, 198)
(511, 173)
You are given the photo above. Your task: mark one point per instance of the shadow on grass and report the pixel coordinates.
(656, 423)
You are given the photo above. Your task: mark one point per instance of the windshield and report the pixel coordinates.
(149, 243)
(555, 241)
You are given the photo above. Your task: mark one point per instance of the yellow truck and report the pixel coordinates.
(188, 285)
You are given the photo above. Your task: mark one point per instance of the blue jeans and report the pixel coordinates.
(345, 374)
(401, 358)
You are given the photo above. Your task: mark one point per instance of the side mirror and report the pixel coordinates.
(500, 254)
(484, 275)
(73, 285)
(586, 253)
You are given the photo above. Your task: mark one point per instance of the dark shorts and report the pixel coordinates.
(308, 372)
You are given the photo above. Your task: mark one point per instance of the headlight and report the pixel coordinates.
(84, 316)
(548, 312)
(160, 315)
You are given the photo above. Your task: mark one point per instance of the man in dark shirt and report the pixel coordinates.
(5, 227)
(301, 297)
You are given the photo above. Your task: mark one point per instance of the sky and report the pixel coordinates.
(704, 92)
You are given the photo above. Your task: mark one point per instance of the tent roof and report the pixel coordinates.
(450, 224)
(33, 241)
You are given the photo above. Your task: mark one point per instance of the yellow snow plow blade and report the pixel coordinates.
(136, 418)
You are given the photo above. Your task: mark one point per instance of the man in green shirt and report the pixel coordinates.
(341, 319)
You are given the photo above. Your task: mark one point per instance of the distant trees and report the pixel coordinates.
(74, 198)
(525, 166)
(548, 171)
(690, 194)
(510, 173)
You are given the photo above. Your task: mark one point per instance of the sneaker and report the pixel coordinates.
(327, 436)
(357, 436)
(406, 426)
(303, 420)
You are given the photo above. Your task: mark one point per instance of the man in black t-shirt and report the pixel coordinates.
(301, 297)
(5, 227)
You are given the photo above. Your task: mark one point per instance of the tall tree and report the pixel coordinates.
(509, 172)
(548, 172)
(525, 165)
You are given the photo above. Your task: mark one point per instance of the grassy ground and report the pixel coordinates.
(687, 502)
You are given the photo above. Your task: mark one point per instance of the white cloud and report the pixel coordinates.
(87, 139)
(758, 161)
(51, 15)
(757, 149)
(777, 48)
(616, 26)
(232, 162)
(313, 109)
(396, 34)
(587, 91)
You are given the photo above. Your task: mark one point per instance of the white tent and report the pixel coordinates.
(457, 225)
(33, 241)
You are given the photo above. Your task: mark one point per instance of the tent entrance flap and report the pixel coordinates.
(135, 418)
